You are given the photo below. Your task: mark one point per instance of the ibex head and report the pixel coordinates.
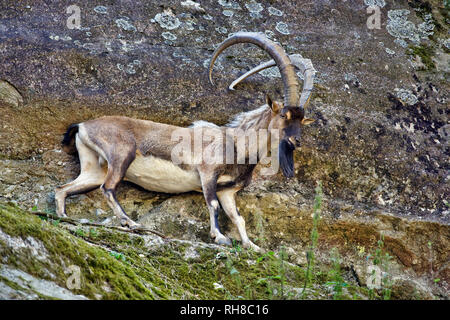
(288, 116)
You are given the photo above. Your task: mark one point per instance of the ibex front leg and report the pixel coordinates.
(228, 203)
(209, 185)
(117, 167)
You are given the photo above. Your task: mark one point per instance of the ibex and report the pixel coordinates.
(114, 148)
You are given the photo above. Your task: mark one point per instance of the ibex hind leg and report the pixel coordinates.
(90, 178)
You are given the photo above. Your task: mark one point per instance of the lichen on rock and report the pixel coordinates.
(125, 24)
(282, 28)
(400, 27)
(373, 3)
(406, 95)
(101, 9)
(167, 20)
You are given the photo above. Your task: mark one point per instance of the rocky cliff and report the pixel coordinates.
(379, 145)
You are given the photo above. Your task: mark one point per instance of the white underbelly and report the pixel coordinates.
(159, 175)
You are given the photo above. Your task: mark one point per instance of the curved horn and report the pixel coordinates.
(303, 65)
(257, 69)
(287, 70)
(307, 69)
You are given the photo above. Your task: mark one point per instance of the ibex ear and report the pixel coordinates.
(275, 106)
(306, 121)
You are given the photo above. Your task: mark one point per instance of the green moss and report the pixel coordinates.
(97, 266)
(12, 284)
(439, 11)
(152, 272)
(425, 53)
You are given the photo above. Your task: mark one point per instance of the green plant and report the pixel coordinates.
(93, 233)
(234, 273)
(314, 237)
(80, 233)
(56, 222)
(278, 265)
(383, 259)
(266, 281)
(274, 263)
(261, 238)
(265, 255)
(236, 248)
(282, 271)
(117, 255)
(335, 274)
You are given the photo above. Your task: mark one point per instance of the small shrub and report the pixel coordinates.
(314, 237)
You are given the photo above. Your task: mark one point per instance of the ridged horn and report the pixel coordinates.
(305, 66)
(277, 53)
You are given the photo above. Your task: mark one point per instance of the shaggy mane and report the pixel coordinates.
(251, 119)
(244, 120)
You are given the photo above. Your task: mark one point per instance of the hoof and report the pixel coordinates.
(252, 246)
(136, 226)
(127, 222)
(223, 241)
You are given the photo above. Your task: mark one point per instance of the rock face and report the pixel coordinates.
(379, 144)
